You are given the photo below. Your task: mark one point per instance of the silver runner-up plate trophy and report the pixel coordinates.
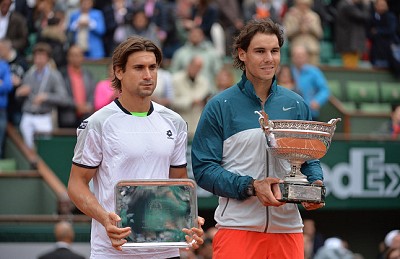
(156, 211)
(298, 141)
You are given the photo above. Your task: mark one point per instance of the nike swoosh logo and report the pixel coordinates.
(286, 109)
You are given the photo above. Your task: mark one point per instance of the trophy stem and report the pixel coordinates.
(295, 175)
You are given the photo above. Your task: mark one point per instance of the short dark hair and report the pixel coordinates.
(126, 48)
(266, 26)
(42, 47)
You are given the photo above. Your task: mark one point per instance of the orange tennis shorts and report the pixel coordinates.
(241, 244)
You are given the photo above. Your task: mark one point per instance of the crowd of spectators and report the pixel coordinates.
(98, 26)
(202, 30)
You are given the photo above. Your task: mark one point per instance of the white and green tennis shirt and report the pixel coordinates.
(127, 147)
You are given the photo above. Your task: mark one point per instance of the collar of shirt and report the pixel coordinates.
(61, 244)
(39, 74)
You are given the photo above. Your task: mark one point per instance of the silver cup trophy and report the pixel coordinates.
(298, 141)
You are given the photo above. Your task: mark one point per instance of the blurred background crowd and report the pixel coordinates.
(40, 37)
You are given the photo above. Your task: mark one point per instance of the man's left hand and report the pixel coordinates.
(194, 236)
(312, 205)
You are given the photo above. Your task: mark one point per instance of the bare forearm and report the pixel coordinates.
(86, 202)
(178, 173)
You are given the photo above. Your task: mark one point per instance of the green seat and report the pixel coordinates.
(362, 91)
(326, 52)
(375, 108)
(390, 92)
(336, 89)
(8, 164)
(349, 106)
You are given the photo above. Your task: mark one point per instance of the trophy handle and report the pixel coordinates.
(264, 121)
(334, 121)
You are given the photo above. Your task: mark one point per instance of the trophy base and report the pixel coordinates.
(301, 192)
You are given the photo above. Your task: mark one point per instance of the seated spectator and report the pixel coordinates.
(87, 26)
(191, 92)
(65, 235)
(392, 253)
(310, 81)
(334, 248)
(285, 77)
(391, 245)
(198, 45)
(18, 66)
(392, 239)
(225, 78)
(164, 92)
(303, 27)
(80, 87)
(141, 25)
(15, 27)
(315, 238)
(42, 90)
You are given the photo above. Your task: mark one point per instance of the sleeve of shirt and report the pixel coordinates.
(73, 22)
(179, 154)
(312, 169)
(207, 148)
(6, 84)
(178, 157)
(97, 24)
(88, 151)
(322, 90)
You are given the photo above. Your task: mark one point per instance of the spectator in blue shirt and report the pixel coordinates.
(5, 88)
(310, 82)
(88, 27)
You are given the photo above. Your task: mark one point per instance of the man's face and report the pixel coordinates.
(195, 67)
(140, 76)
(262, 57)
(40, 59)
(5, 6)
(86, 5)
(196, 36)
(381, 6)
(75, 56)
(299, 56)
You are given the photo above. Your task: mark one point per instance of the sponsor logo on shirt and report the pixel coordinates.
(287, 109)
(169, 134)
(83, 125)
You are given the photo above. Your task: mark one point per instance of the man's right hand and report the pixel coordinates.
(268, 192)
(117, 235)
